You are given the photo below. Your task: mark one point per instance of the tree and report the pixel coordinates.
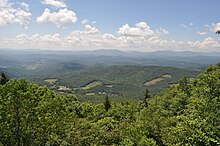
(218, 32)
(147, 96)
(3, 78)
(107, 103)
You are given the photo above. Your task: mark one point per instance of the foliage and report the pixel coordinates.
(32, 115)
(185, 114)
(123, 82)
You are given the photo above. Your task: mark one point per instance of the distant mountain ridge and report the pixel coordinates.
(113, 52)
(108, 57)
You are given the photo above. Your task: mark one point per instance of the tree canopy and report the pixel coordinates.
(185, 114)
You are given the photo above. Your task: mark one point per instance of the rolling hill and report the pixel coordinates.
(104, 72)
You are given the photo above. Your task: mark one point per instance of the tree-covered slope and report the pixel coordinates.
(185, 114)
(124, 81)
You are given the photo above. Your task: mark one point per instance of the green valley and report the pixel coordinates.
(123, 81)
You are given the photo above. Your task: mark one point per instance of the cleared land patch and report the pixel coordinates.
(109, 86)
(63, 88)
(90, 94)
(92, 85)
(51, 81)
(154, 81)
(166, 76)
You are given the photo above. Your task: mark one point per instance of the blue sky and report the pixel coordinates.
(142, 25)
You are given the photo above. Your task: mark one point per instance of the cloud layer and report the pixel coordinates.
(139, 37)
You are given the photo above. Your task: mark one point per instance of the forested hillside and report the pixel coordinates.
(92, 83)
(119, 82)
(185, 114)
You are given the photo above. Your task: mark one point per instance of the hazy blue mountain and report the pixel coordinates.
(14, 57)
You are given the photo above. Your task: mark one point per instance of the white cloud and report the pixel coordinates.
(209, 42)
(55, 3)
(93, 22)
(91, 30)
(21, 36)
(189, 26)
(6, 18)
(46, 17)
(23, 18)
(25, 6)
(143, 25)
(11, 13)
(84, 21)
(162, 31)
(140, 29)
(60, 18)
(201, 33)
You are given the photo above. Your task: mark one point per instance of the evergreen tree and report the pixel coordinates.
(107, 103)
(3, 78)
(147, 96)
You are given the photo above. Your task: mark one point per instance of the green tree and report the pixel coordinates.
(3, 78)
(33, 115)
(107, 103)
(147, 96)
(218, 32)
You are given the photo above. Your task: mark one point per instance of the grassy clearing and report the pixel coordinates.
(92, 85)
(109, 86)
(90, 94)
(51, 81)
(63, 88)
(154, 81)
(166, 76)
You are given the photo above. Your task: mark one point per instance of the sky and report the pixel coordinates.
(127, 25)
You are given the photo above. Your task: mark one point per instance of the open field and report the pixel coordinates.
(155, 81)
(92, 85)
(51, 81)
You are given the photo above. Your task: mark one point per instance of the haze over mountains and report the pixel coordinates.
(112, 57)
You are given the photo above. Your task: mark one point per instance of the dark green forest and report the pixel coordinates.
(187, 113)
(118, 82)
